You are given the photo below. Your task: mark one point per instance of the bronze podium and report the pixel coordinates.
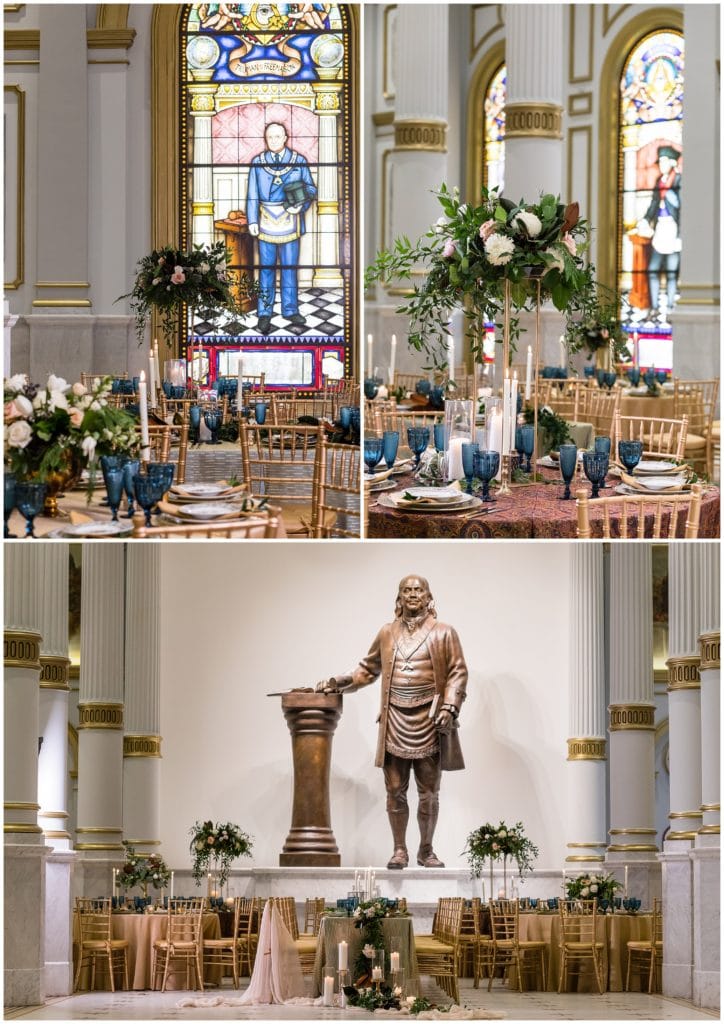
(312, 718)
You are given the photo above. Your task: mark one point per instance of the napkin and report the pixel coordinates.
(173, 510)
(639, 484)
(673, 468)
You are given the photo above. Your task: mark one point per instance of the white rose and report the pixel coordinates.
(584, 891)
(78, 389)
(502, 834)
(499, 249)
(23, 405)
(204, 267)
(56, 383)
(439, 225)
(19, 434)
(17, 382)
(89, 447)
(40, 398)
(107, 434)
(594, 887)
(95, 406)
(369, 950)
(528, 222)
(156, 280)
(558, 261)
(57, 401)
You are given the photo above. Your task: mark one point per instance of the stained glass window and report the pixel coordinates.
(266, 150)
(650, 167)
(494, 131)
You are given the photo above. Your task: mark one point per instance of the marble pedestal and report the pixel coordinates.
(677, 889)
(58, 923)
(644, 875)
(24, 925)
(706, 862)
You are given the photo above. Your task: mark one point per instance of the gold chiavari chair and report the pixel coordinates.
(289, 410)
(306, 945)
(224, 952)
(408, 381)
(259, 525)
(250, 919)
(175, 411)
(339, 496)
(283, 463)
(696, 399)
(563, 397)
(393, 418)
(658, 436)
(646, 956)
(578, 942)
(439, 956)
(508, 949)
(159, 436)
(181, 950)
(469, 935)
(97, 947)
(313, 915)
(92, 380)
(632, 513)
(599, 407)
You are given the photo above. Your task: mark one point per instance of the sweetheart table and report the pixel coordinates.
(398, 934)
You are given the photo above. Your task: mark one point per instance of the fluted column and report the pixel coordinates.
(142, 740)
(534, 105)
(587, 701)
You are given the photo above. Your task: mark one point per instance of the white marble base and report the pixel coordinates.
(677, 889)
(706, 862)
(72, 343)
(58, 920)
(93, 873)
(644, 875)
(24, 923)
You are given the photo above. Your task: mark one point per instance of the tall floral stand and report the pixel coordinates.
(505, 459)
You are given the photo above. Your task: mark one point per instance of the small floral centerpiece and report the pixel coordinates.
(499, 842)
(368, 916)
(596, 325)
(473, 251)
(215, 847)
(170, 278)
(387, 998)
(143, 870)
(552, 428)
(590, 887)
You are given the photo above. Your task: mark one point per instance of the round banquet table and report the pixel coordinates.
(639, 404)
(530, 511)
(398, 935)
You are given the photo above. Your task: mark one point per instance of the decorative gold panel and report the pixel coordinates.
(585, 749)
(22, 39)
(100, 716)
(580, 104)
(22, 649)
(533, 120)
(631, 716)
(574, 50)
(54, 673)
(684, 673)
(141, 746)
(424, 135)
(709, 653)
(17, 131)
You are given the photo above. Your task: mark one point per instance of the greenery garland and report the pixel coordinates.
(217, 843)
(496, 842)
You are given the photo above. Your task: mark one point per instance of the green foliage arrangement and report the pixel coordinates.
(588, 887)
(140, 869)
(495, 842)
(218, 846)
(596, 325)
(552, 428)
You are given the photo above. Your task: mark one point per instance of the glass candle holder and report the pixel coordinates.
(174, 371)
(459, 430)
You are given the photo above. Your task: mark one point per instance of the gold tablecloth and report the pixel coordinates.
(661, 407)
(141, 931)
(614, 930)
(398, 934)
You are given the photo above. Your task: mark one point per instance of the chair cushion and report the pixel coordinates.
(306, 944)
(431, 947)
(715, 431)
(694, 442)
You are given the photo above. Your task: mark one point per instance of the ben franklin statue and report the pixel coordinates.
(424, 677)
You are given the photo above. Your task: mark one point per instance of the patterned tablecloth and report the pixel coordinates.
(398, 934)
(531, 511)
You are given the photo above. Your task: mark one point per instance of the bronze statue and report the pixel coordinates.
(423, 687)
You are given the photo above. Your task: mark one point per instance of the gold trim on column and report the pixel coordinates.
(14, 805)
(684, 673)
(63, 303)
(632, 831)
(686, 814)
(573, 78)
(20, 198)
(110, 38)
(17, 827)
(709, 651)
(586, 107)
(100, 716)
(634, 848)
(202, 209)
(383, 118)
(680, 835)
(533, 120)
(631, 716)
(586, 749)
(54, 673)
(585, 846)
(62, 284)
(419, 134)
(22, 649)
(54, 814)
(141, 746)
(99, 829)
(710, 807)
(22, 39)
(708, 830)
(98, 846)
(475, 134)
(143, 842)
(56, 835)
(578, 859)
(328, 206)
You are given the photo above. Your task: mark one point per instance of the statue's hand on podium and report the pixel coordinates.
(327, 686)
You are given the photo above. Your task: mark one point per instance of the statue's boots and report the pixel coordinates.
(398, 823)
(426, 856)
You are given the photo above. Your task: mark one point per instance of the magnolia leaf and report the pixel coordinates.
(560, 294)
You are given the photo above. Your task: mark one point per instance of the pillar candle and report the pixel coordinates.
(342, 956)
(451, 357)
(562, 343)
(625, 881)
(377, 974)
(171, 893)
(455, 458)
(513, 410)
(370, 349)
(143, 410)
(240, 386)
(394, 961)
(495, 431)
(506, 415)
(636, 349)
(151, 375)
(393, 358)
(528, 373)
(328, 992)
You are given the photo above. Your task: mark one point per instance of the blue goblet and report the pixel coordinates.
(212, 419)
(162, 474)
(390, 444)
(601, 377)
(602, 446)
(9, 499)
(355, 420)
(594, 466)
(650, 378)
(438, 433)
(609, 379)
(195, 422)
(527, 432)
(469, 450)
(588, 371)
(145, 490)
(370, 388)
(568, 455)
(373, 449)
(418, 439)
(166, 386)
(135, 381)
(29, 498)
(260, 412)
(661, 376)
(487, 465)
(634, 375)
(110, 462)
(423, 387)
(130, 469)
(437, 397)
(629, 453)
(113, 479)
(345, 416)
(519, 445)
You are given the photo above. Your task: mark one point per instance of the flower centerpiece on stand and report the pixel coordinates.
(499, 842)
(214, 847)
(595, 328)
(592, 887)
(144, 870)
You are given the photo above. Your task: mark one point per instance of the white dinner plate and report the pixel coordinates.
(396, 501)
(442, 494)
(628, 490)
(200, 490)
(663, 483)
(383, 485)
(94, 529)
(209, 510)
(654, 467)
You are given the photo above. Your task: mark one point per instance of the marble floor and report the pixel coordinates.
(510, 1005)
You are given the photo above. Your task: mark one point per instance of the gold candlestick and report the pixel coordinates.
(505, 476)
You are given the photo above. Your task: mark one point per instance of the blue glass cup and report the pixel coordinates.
(609, 379)
(649, 378)
(603, 905)
(9, 500)
(162, 474)
(629, 454)
(135, 381)
(568, 456)
(588, 371)
(166, 387)
(602, 446)
(418, 439)
(661, 376)
(437, 397)
(130, 469)
(145, 490)
(113, 479)
(527, 433)
(601, 377)
(370, 388)
(438, 433)
(373, 448)
(423, 387)
(533, 902)
(355, 420)
(116, 386)
(29, 499)
(260, 412)
(212, 419)
(469, 450)
(195, 422)
(634, 375)
(487, 465)
(553, 903)
(390, 444)
(345, 416)
(519, 445)
(594, 466)
(617, 902)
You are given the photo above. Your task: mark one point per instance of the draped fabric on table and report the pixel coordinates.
(398, 934)
(277, 974)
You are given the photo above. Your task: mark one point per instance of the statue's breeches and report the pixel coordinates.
(427, 778)
(411, 733)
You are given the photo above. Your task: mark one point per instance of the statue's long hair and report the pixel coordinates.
(430, 601)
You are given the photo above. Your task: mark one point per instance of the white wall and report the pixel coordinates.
(242, 621)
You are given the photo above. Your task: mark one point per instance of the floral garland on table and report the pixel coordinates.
(386, 998)
(470, 254)
(368, 916)
(597, 326)
(143, 870)
(218, 843)
(493, 842)
(587, 887)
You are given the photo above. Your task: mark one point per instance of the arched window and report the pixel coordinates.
(651, 93)
(266, 166)
(494, 130)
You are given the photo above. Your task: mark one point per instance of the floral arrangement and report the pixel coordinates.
(218, 843)
(588, 887)
(386, 998)
(470, 254)
(552, 428)
(494, 842)
(45, 426)
(369, 915)
(143, 870)
(596, 325)
(170, 278)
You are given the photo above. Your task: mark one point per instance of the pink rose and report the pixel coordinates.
(486, 229)
(449, 249)
(569, 243)
(76, 417)
(178, 276)
(10, 411)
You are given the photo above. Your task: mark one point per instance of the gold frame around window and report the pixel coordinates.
(479, 85)
(655, 19)
(165, 143)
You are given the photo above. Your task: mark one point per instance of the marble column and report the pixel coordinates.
(142, 740)
(24, 848)
(100, 714)
(586, 829)
(631, 721)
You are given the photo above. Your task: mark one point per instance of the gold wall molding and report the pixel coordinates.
(631, 716)
(100, 716)
(141, 746)
(20, 174)
(533, 120)
(112, 16)
(577, 858)
(684, 673)
(15, 805)
(609, 18)
(62, 284)
(632, 831)
(483, 75)
(383, 118)
(26, 63)
(22, 649)
(573, 49)
(580, 104)
(584, 131)
(478, 44)
(634, 848)
(709, 651)
(586, 749)
(54, 673)
(22, 39)
(388, 87)
(110, 38)
(16, 827)
(421, 135)
(12, 8)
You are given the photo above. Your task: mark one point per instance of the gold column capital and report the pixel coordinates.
(709, 654)
(22, 649)
(684, 673)
(141, 746)
(54, 672)
(533, 120)
(631, 716)
(98, 715)
(584, 748)
(421, 134)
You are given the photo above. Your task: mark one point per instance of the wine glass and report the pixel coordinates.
(162, 475)
(469, 451)
(110, 462)
(528, 438)
(260, 412)
(602, 446)
(634, 375)
(130, 469)
(29, 499)
(661, 376)
(609, 379)
(372, 452)
(519, 445)
(370, 388)
(418, 439)
(650, 378)
(212, 419)
(390, 444)
(355, 421)
(145, 491)
(438, 433)
(588, 371)
(487, 465)
(568, 455)
(113, 479)
(195, 423)
(594, 466)
(629, 453)
(9, 498)
(345, 416)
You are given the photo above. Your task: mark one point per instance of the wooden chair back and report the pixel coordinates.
(94, 919)
(599, 408)
(283, 463)
(339, 490)
(650, 516)
(289, 410)
(288, 910)
(259, 525)
(658, 436)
